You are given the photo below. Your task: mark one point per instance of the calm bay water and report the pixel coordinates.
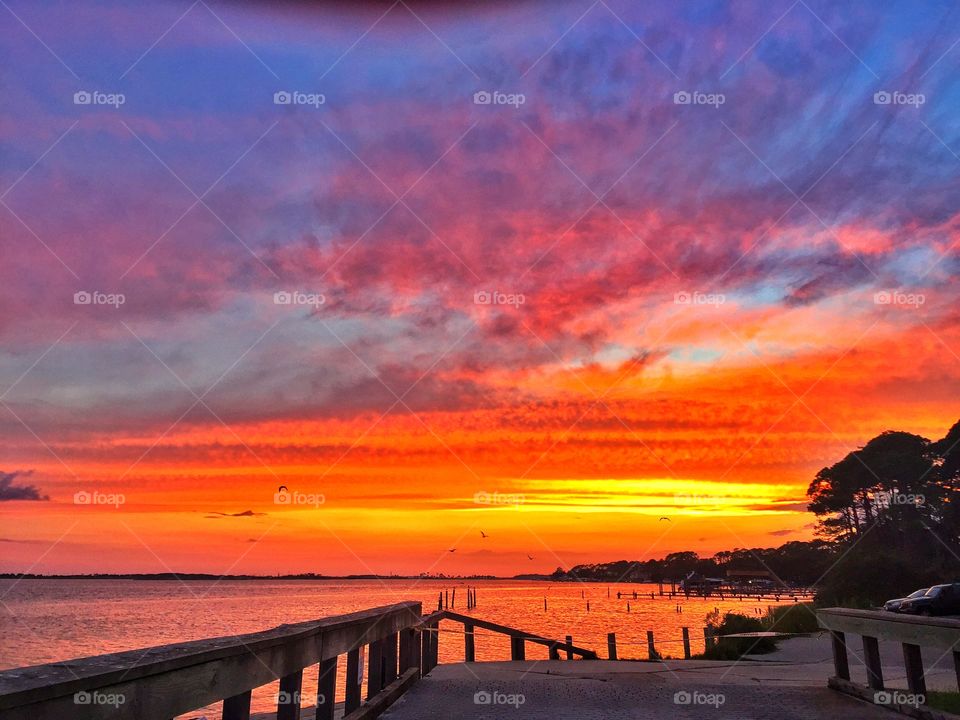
(49, 620)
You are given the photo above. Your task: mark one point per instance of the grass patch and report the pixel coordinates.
(946, 701)
(735, 648)
(797, 618)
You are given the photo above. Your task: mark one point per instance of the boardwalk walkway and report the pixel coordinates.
(583, 690)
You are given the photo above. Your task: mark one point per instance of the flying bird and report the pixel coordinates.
(483, 534)
(529, 557)
(452, 550)
(665, 518)
(282, 488)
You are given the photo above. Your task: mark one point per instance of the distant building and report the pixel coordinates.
(755, 577)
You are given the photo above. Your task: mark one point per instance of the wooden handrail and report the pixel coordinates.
(914, 633)
(162, 682)
(514, 633)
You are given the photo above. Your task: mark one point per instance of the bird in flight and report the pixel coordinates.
(483, 534)
(452, 550)
(282, 488)
(529, 557)
(665, 518)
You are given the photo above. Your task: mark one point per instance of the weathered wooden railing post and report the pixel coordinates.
(841, 667)
(469, 647)
(409, 650)
(353, 692)
(517, 649)
(569, 649)
(871, 658)
(390, 658)
(913, 662)
(651, 650)
(288, 699)
(686, 643)
(425, 650)
(326, 689)
(374, 668)
(435, 644)
(554, 651)
(237, 707)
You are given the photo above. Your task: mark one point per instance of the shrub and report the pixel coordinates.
(735, 648)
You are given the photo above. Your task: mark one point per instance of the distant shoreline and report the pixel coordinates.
(305, 576)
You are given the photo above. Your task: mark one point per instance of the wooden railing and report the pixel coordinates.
(914, 633)
(518, 639)
(162, 682)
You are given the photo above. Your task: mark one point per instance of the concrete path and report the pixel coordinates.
(587, 689)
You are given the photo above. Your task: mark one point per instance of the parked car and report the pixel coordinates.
(894, 605)
(938, 600)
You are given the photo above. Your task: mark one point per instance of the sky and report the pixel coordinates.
(298, 289)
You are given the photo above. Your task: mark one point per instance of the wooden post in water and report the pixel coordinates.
(453, 600)
(352, 701)
(469, 643)
(570, 652)
(611, 646)
(237, 707)
(440, 602)
(517, 648)
(650, 649)
(326, 689)
(544, 603)
(288, 700)
(446, 597)
(686, 643)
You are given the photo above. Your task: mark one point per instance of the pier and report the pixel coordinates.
(385, 661)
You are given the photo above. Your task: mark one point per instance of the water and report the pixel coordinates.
(50, 620)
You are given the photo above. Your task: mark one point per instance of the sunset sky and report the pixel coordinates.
(693, 306)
